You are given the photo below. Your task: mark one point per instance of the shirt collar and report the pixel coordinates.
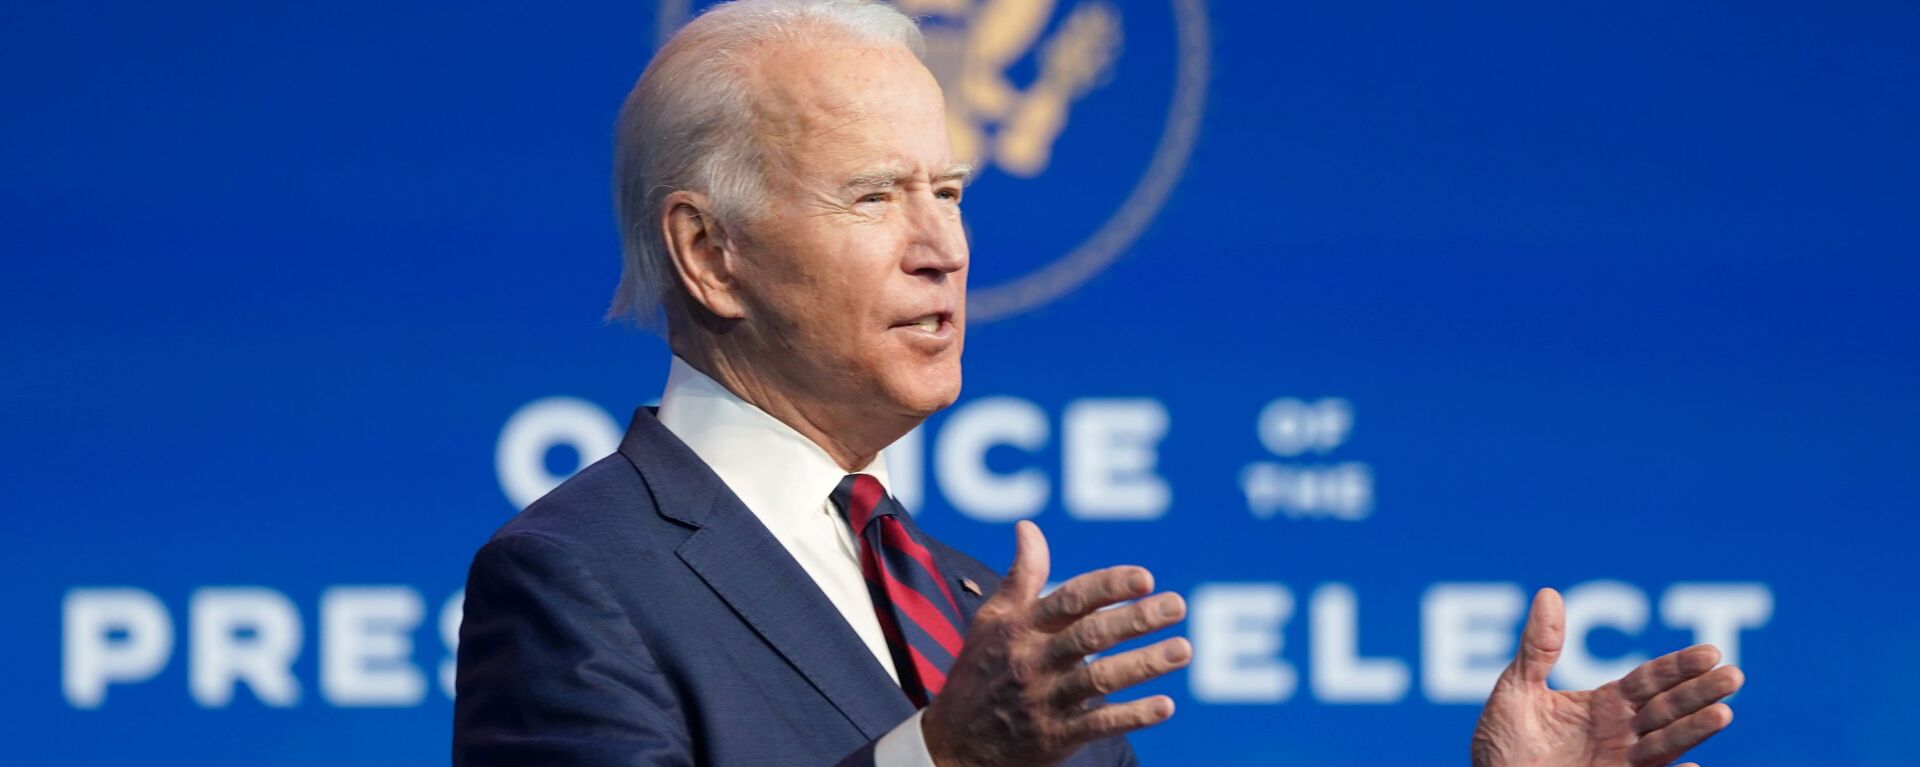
(780, 474)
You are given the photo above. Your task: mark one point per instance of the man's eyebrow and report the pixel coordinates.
(881, 178)
(877, 178)
(959, 171)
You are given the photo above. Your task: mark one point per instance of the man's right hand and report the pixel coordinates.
(1019, 692)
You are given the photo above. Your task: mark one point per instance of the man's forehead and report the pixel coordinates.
(846, 114)
(870, 152)
(835, 78)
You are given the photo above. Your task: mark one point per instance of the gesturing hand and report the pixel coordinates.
(1645, 719)
(1018, 692)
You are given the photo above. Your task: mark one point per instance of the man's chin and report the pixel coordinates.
(928, 395)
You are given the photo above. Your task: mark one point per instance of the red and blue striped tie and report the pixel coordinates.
(917, 611)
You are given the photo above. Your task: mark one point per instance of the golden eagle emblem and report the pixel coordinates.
(972, 45)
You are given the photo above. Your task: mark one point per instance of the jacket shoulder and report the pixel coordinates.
(605, 502)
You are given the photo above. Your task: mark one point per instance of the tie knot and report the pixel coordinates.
(861, 498)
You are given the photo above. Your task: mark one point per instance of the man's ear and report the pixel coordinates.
(701, 254)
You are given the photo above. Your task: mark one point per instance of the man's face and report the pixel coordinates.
(854, 275)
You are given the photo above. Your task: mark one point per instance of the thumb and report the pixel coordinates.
(1540, 642)
(1030, 562)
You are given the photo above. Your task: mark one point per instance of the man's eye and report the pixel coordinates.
(875, 197)
(949, 194)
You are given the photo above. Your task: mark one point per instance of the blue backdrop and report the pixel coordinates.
(1354, 321)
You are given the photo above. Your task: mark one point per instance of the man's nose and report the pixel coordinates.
(939, 243)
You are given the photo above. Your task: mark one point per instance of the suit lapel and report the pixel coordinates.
(748, 569)
(958, 574)
(969, 601)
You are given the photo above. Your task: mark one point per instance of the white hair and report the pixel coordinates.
(687, 125)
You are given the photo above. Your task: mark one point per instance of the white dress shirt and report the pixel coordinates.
(786, 480)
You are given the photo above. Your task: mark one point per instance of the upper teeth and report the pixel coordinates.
(929, 323)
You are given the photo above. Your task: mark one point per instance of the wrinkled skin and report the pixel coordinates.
(812, 307)
(1020, 693)
(1648, 718)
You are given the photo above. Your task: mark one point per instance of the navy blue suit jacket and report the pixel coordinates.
(640, 614)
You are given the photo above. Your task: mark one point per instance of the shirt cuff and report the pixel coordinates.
(906, 746)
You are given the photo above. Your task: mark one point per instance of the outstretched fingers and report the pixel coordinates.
(1665, 672)
(1085, 593)
(1119, 718)
(1687, 697)
(1121, 671)
(1106, 628)
(1668, 743)
(1021, 681)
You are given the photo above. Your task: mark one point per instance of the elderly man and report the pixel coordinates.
(736, 585)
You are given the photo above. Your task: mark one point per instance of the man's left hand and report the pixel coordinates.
(1646, 719)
